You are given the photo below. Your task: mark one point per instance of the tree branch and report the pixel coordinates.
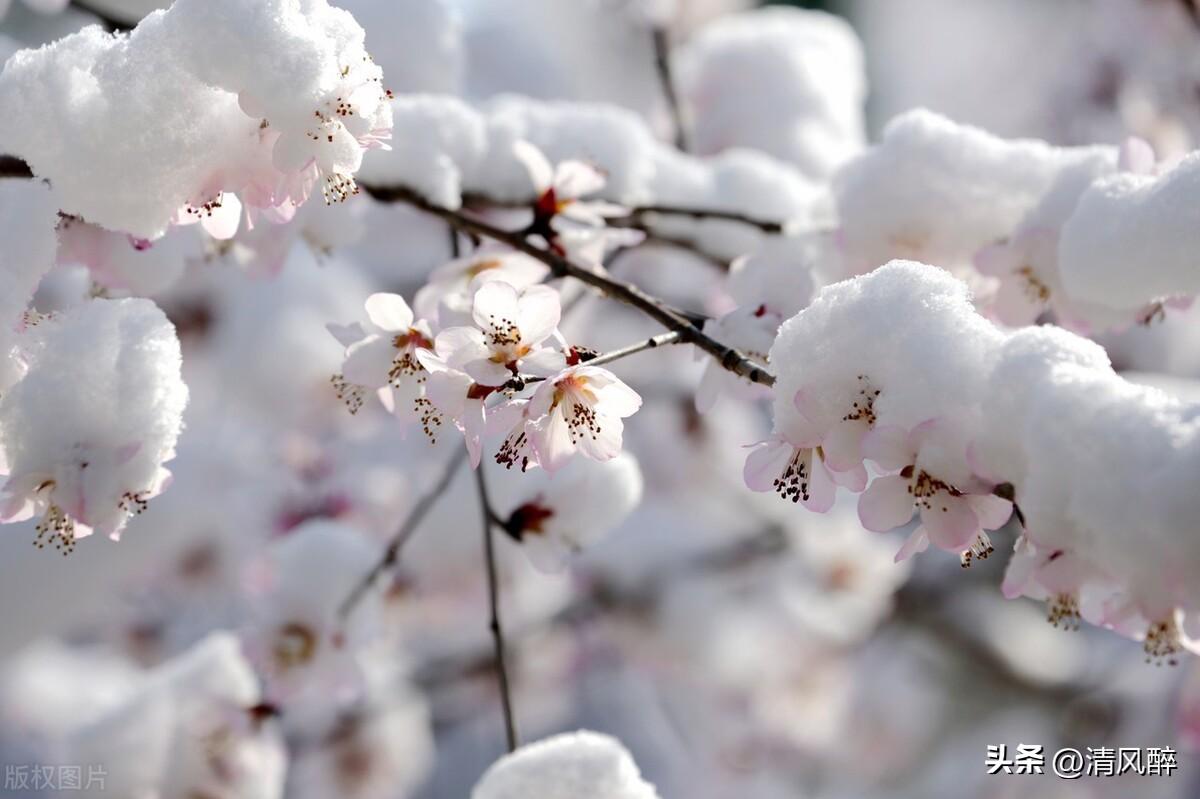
(670, 318)
(635, 217)
(661, 340)
(637, 214)
(489, 553)
(392, 553)
(662, 64)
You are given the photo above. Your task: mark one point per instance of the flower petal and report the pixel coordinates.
(495, 305)
(605, 443)
(887, 446)
(543, 363)
(551, 440)
(886, 504)
(1136, 155)
(460, 345)
(950, 522)
(992, 511)
(1021, 566)
(822, 491)
(539, 169)
(223, 222)
(538, 312)
(389, 312)
(617, 399)
(574, 179)
(842, 445)
(487, 372)
(765, 464)
(854, 479)
(545, 552)
(369, 361)
(916, 543)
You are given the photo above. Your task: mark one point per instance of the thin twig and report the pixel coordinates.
(406, 531)
(661, 340)
(489, 553)
(635, 218)
(662, 63)
(670, 318)
(636, 215)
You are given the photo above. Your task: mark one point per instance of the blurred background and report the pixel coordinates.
(739, 646)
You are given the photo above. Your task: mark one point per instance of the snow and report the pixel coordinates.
(1132, 239)
(580, 765)
(786, 82)
(936, 191)
(28, 216)
(98, 412)
(132, 128)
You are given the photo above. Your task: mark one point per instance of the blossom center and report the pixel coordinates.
(57, 527)
(1035, 288)
(1162, 643)
(528, 518)
(295, 645)
(793, 483)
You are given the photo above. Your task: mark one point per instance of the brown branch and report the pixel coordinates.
(489, 553)
(637, 214)
(662, 65)
(392, 553)
(670, 318)
(635, 217)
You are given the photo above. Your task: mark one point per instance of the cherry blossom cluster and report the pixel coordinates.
(307, 610)
(1038, 231)
(228, 136)
(86, 429)
(959, 420)
(472, 377)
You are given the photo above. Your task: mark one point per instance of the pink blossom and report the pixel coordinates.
(805, 461)
(219, 212)
(384, 359)
(953, 516)
(517, 447)
(506, 341)
(454, 284)
(1049, 574)
(329, 147)
(453, 394)
(580, 409)
(797, 472)
(1025, 288)
(560, 215)
(76, 497)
